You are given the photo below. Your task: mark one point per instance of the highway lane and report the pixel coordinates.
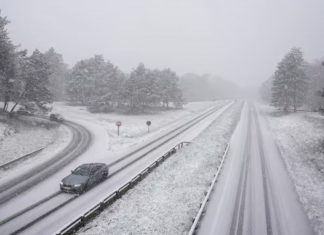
(58, 219)
(254, 194)
(26, 178)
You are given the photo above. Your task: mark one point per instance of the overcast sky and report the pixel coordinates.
(239, 40)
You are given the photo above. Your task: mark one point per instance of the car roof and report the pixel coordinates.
(90, 165)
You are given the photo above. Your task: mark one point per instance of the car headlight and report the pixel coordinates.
(77, 185)
(61, 183)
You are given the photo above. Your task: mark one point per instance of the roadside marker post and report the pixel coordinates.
(148, 123)
(118, 124)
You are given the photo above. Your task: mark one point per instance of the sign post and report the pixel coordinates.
(118, 124)
(148, 123)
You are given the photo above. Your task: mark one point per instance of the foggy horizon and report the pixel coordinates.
(236, 41)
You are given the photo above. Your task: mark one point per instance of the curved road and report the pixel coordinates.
(81, 139)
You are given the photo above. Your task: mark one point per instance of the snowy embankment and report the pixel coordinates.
(300, 137)
(167, 199)
(18, 138)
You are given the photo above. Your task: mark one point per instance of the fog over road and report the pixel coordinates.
(254, 194)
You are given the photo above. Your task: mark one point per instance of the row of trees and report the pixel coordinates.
(207, 87)
(22, 78)
(35, 81)
(103, 87)
(295, 83)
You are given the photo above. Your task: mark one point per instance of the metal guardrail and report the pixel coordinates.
(202, 208)
(7, 164)
(99, 207)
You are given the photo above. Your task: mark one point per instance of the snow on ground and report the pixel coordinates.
(300, 137)
(134, 129)
(167, 199)
(21, 137)
(3, 128)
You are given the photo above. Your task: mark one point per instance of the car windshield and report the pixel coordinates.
(85, 171)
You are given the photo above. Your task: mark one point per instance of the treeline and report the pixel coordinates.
(295, 84)
(207, 87)
(35, 81)
(25, 80)
(102, 87)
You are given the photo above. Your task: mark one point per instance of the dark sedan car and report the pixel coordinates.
(56, 117)
(24, 112)
(84, 177)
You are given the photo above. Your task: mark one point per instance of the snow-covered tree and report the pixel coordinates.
(265, 90)
(96, 83)
(168, 85)
(33, 88)
(103, 87)
(108, 82)
(59, 73)
(315, 96)
(289, 86)
(146, 88)
(7, 64)
(135, 90)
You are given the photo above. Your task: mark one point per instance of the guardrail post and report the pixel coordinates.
(101, 206)
(131, 184)
(82, 222)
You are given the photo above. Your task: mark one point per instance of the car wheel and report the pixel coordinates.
(82, 190)
(104, 175)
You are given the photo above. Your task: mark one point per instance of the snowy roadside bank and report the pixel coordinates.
(18, 138)
(23, 137)
(300, 137)
(166, 200)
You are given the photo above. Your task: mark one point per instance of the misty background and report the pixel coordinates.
(209, 44)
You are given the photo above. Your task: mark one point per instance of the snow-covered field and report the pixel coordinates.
(19, 138)
(167, 199)
(300, 137)
(134, 129)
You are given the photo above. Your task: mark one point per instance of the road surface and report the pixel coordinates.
(254, 194)
(58, 219)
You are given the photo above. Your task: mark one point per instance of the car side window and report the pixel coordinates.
(94, 170)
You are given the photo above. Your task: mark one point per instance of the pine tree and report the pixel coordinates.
(265, 90)
(78, 83)
(59, 73)
(95, 83)
(169, 88)
(34, 87)
(7, 64)
(289, 86)
(135, 89)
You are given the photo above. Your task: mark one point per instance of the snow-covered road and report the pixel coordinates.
(254, 194)
(58, 219)
(24, 176)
